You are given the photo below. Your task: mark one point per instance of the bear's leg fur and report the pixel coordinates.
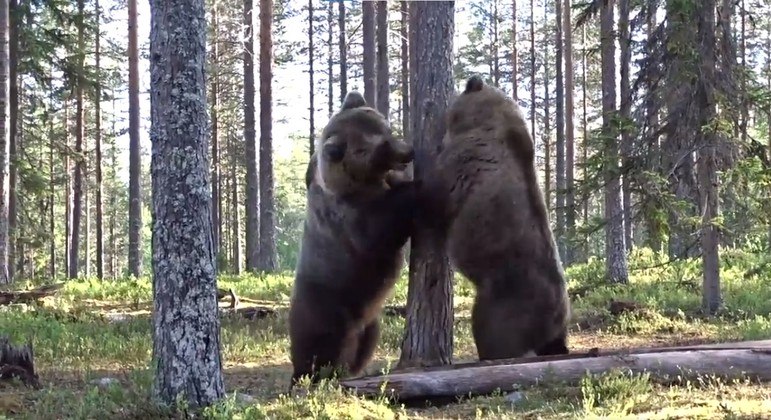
(367, 342)
(320, 337)
(555, 347)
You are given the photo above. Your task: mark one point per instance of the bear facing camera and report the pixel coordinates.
(491, 211)
(359, 215)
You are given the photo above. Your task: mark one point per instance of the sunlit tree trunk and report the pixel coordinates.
(267, 261)
(252, 210)
(368, 50)
(77, 180)
(4, 141)
(135, 253)
(383, 81)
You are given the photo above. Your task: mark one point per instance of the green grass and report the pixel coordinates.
(77, 339)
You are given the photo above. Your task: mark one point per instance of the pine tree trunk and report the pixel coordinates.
(570, 201)
(584, 138)
(343, 51)
(87, 216)
(494, 47)
(514, 52)
(311, 84)
(186, 324)
(51, 182)
(532, 69)
(560, 143)
(626, 108)
(330, 60)
(67, 190)
(707, 169)
(368, 50)
(113, 198)
(4, 141)
(98, 151)
(547, 115)
(250, 146)
(235, 222)
(429, 320)
(215, 133)
(13, 135)
(77, 180)
(615, 251)
(135, 251)
(267, 252)
(405, 58)
(383, 79)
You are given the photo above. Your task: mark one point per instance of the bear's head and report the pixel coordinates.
(356, 150)
(490, 112)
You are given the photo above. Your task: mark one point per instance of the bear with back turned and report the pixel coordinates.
(491, 211)
(358, 219)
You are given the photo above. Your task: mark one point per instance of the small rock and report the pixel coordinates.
(244, 398)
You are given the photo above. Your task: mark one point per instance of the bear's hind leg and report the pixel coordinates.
(367, 342)
(557, 346)
(501, 327)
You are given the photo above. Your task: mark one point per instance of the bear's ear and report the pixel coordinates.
(353, 100)
(474, 84)
(333, 151)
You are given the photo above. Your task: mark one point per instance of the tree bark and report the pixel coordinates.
(707, 169)
(51, 179)
(383, 81)
(98, 151)
(77, 180)
(330, 60)
(216, 194)
(267, 252)
(624, 42)
(68, 188)
(311, 84)
(186, 324)
(482, 379)
(514, 52)
(250, 146)
(615, 251)
(585, 196)
(368, 50)
(135, 254)
(546, 115)
(236, 207)
(429, 323)
(4, 141)
(405, 56)
(343, 51)
(13, 135)
(532, 69)
(570, 201)
(559, 230)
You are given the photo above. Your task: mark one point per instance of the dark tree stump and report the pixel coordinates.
(17, 362)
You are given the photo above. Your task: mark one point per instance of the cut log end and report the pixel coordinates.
(17, 362)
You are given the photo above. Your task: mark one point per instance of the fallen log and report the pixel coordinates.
(26, 296)
(252, 312)
(481, 378)
(17, 362)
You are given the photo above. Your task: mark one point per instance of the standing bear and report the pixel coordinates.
(358, 219)
(488, 203)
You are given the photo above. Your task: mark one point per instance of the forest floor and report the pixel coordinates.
(94, 330)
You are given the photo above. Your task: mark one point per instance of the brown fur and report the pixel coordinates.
(498, 236)
(358, 218)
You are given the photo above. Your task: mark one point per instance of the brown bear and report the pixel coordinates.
(487, 201)
(358, 218)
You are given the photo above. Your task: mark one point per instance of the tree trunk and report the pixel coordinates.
(77, 180)
(532, 69)
(404, 34)
(113, 198)
(626, 107)
(135, 251)
(236, 207)
(51, 180)
(652, 104)
(383, 82)
(368, 50)
(330, 60)
(267, 252)
(707, 169)
(547, 115)
(186, 323)
(343, 51)
(494, 47)
(87, 216)
(216, 195)
(584, 137)
(429, 321)
(311, 84)
(570, 201)
(98, 150)
(514, 52)
(615, 251)
(67, 189)
(13, 135)
(486, 378)
(250, 146)
(4, 141)
(560, 144)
